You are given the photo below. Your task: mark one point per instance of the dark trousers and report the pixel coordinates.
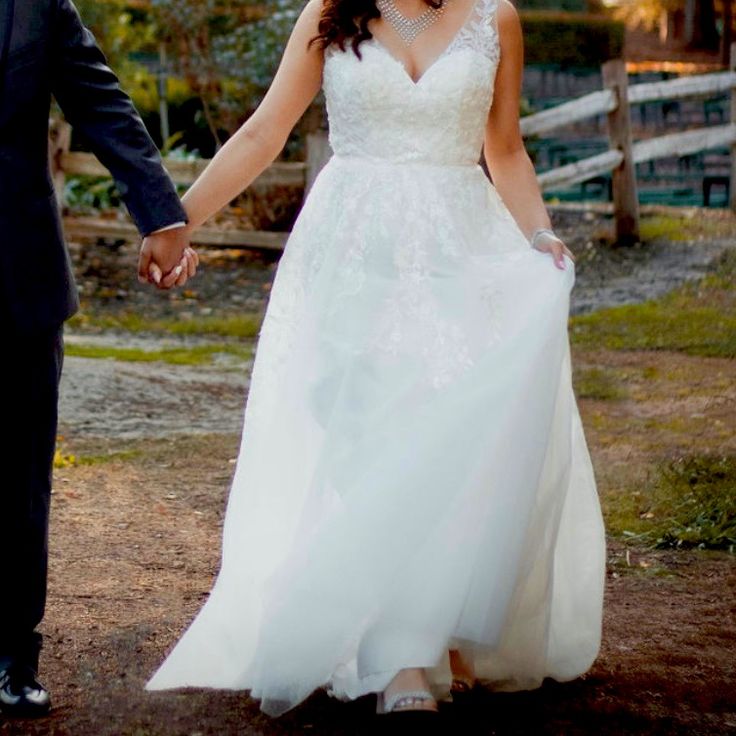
(30, 370)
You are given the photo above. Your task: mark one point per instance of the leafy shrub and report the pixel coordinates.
(694, 503)
(89, 194)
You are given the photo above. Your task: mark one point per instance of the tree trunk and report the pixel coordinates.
(700, 24)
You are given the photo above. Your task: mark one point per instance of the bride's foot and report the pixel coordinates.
(408, 691)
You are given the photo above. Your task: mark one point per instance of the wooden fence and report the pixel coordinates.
(65, 163)
(615, 101)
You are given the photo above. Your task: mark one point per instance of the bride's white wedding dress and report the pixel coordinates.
(413, 473)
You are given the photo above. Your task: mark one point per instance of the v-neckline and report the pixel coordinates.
(416, 82)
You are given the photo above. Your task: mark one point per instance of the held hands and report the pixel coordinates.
(546, 241)
(166, 259)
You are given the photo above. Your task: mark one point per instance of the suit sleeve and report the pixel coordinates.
(92, 100)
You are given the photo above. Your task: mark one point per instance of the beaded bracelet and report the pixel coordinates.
(543, 231)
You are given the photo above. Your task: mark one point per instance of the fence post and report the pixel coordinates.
(60, 137)
(625, 196)
(732, 181)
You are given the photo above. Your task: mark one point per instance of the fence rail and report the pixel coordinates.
(614, 101)
(185, 172)
(65, 163)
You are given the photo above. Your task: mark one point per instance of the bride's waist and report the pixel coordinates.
(357, 160)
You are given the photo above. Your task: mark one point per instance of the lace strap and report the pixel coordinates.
(488, 8)
(488, 11)
(480, 31)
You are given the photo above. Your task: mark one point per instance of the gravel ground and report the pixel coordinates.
(109, 398)
(646, 274)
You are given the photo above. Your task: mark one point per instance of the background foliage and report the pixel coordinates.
(222, 55)
(571, 39)
(227, 50)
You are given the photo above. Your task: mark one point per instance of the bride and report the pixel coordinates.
(414, 511)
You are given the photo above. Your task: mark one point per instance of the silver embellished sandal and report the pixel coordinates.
(397, 702)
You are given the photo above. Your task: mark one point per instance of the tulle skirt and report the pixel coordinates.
(413, 474)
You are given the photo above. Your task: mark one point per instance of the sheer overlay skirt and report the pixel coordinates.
(413, 473)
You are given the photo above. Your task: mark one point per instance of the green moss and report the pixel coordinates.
(596, 383)
(685, 503)
(697, 318)
(241, 325)
(196, 355)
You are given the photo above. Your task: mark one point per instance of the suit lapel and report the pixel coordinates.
(7, 8)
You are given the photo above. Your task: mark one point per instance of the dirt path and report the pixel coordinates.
(136, 546)
(137, 518)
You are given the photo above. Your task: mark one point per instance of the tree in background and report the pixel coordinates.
(700, 24)
(227, 50)
(694, 21)
(122, 29)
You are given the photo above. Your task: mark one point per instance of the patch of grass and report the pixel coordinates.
(697, 318)
(625, 565)
(675, 227)
(194, 355)
(689, 503)
(596, 383)
(669, 227)
(237, 325)
(651, 373)
(110, 457)
(64, 460)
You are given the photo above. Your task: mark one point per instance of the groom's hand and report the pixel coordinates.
(180, 275)
(166, 259)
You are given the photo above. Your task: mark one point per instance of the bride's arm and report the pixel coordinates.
(508, 162)
(260, 139)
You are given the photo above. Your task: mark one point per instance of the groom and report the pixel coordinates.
(45, 50)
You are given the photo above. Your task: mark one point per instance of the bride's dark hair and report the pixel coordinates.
(346, 21)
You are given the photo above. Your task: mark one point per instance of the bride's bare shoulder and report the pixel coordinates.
(507, 12)
(306, 28)
(312, 12)
(509, 26)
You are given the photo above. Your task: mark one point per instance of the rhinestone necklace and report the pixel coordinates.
(409, 28)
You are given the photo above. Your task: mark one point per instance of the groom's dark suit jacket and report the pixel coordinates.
(45, 50)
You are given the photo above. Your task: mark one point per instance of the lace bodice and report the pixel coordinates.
(377, 111)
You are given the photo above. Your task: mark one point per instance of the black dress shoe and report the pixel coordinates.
(21, 694)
